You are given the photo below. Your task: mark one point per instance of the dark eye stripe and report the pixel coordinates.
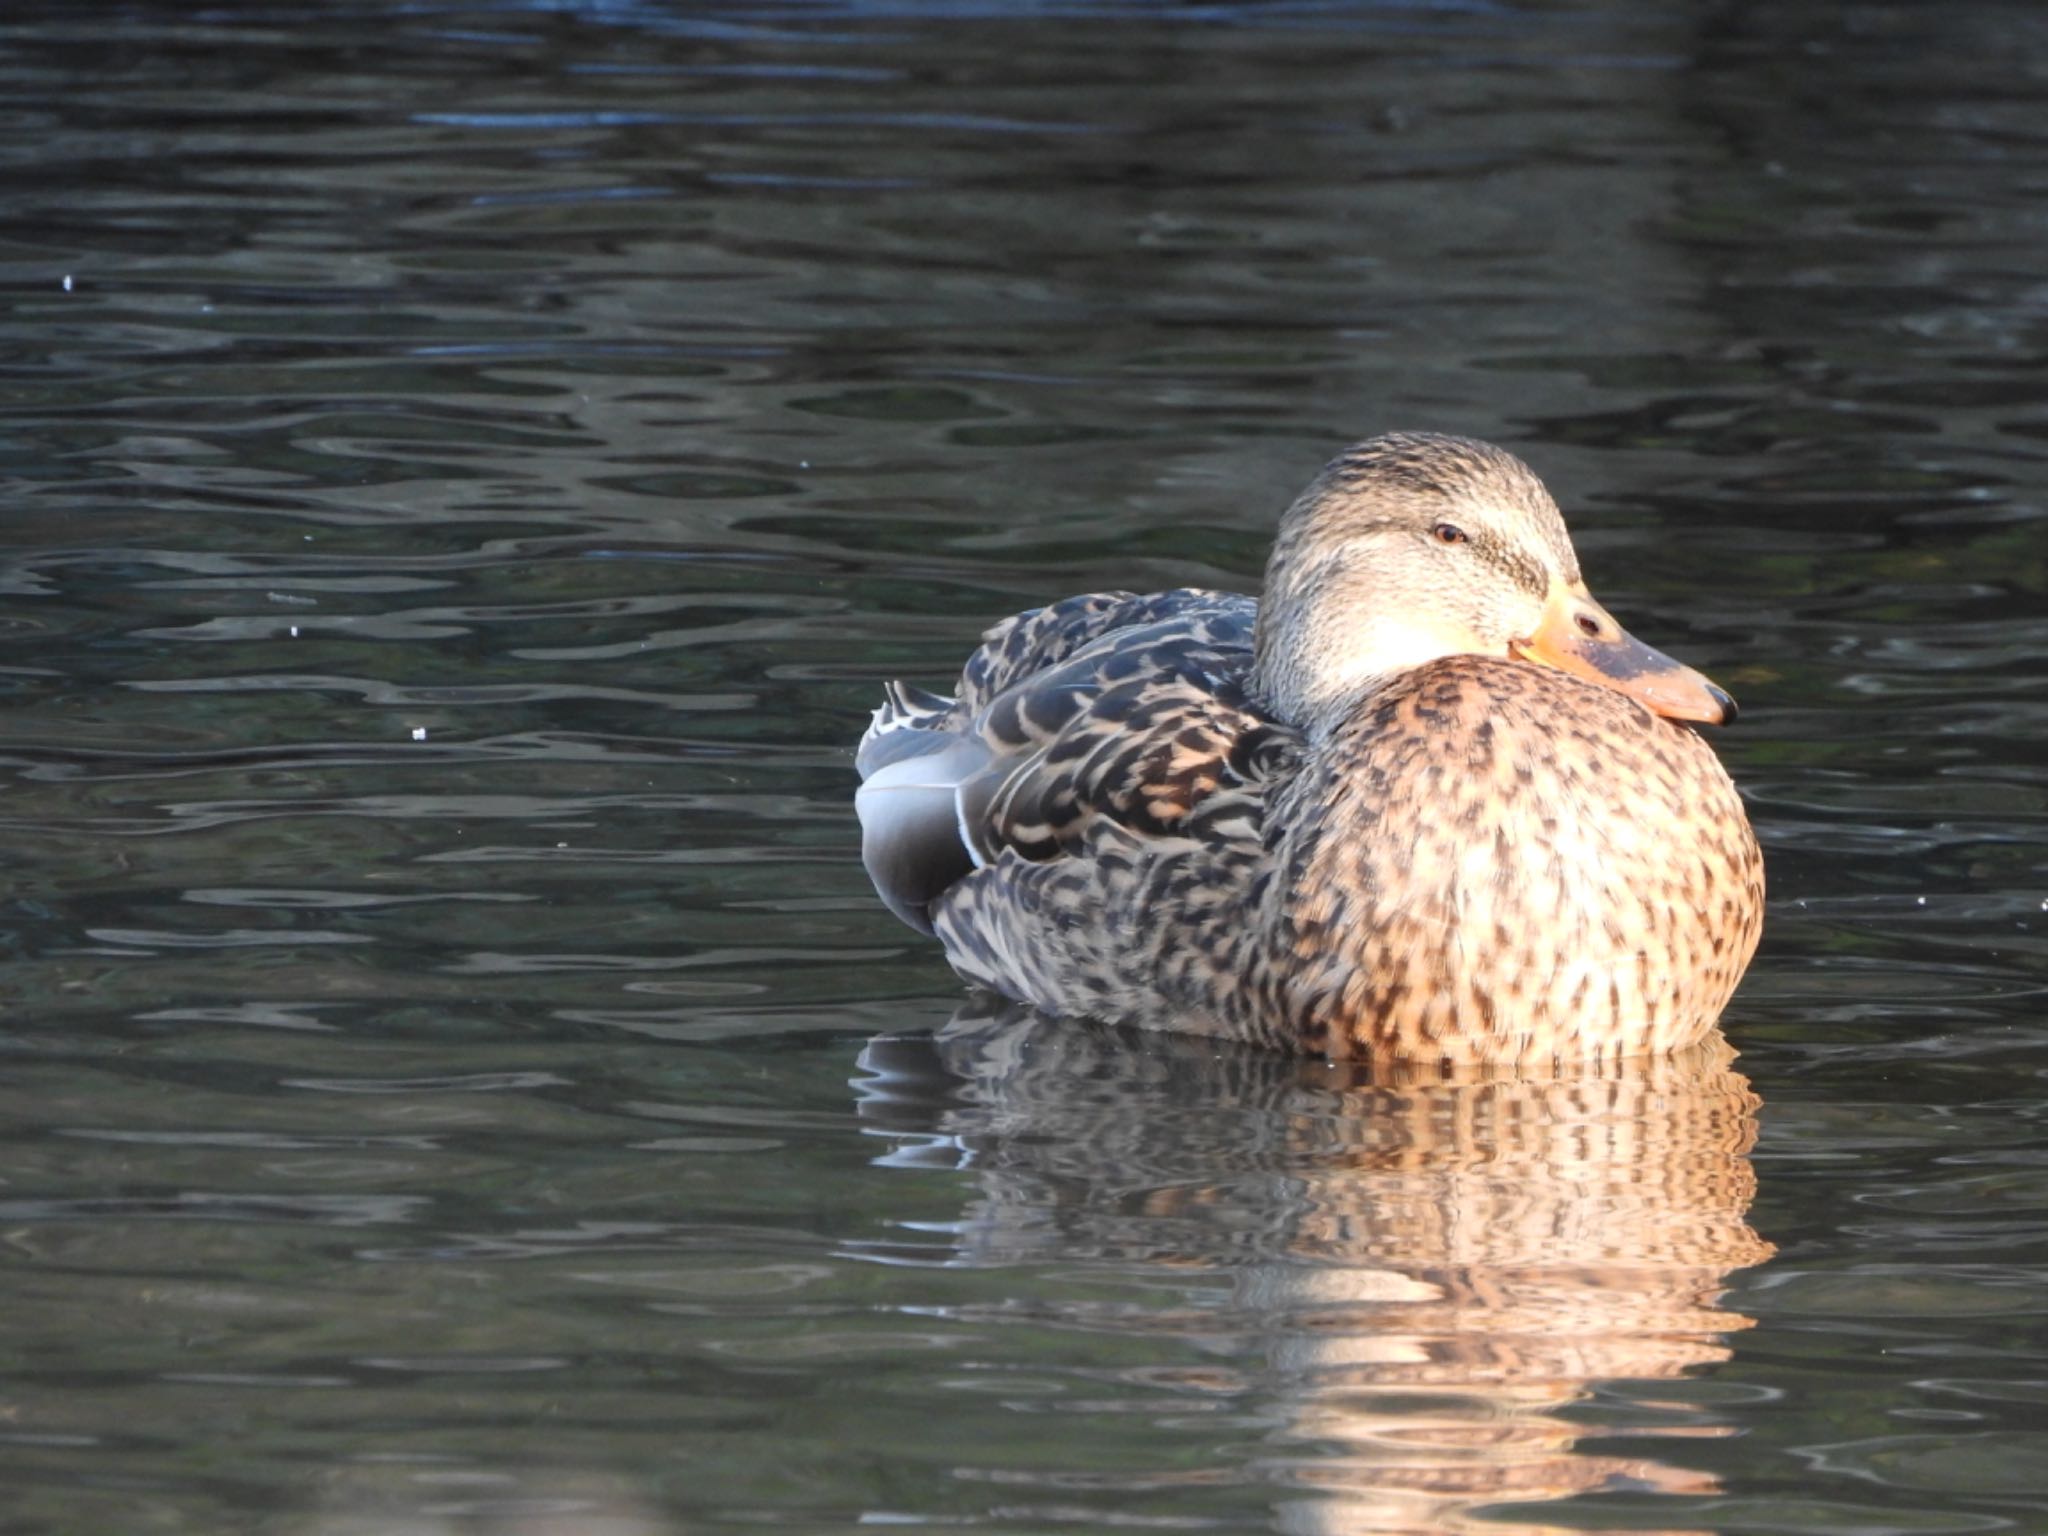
(1526, 573)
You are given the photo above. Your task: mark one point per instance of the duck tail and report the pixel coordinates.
(913, 763)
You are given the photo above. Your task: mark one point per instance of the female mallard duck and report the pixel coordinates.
(1427, 801)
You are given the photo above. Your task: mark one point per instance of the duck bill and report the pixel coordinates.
(1578, 636)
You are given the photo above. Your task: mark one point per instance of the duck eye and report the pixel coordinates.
(1448, 533)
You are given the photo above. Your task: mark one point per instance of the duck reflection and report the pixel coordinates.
(1424, 1268)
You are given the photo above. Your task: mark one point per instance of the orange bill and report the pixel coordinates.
(1578, 636)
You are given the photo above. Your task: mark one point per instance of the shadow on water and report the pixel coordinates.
(1420, 1276)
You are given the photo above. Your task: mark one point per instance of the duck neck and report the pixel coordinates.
(1312, 663)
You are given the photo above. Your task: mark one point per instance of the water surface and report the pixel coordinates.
(468, 468)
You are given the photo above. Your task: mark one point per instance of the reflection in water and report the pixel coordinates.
(1424, 1271)
(613, 390)
(382, 1498)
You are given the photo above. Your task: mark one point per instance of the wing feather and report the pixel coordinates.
(1101, 721)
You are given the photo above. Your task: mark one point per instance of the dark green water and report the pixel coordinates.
(456, 1078)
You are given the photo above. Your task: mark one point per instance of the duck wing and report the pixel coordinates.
(1101, 716)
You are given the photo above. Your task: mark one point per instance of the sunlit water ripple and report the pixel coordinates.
(468, 469)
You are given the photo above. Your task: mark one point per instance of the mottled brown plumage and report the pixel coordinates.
(1424, 804)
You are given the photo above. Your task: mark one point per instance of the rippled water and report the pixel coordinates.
(467, 468)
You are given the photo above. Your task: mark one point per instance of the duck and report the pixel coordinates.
(1423, 800)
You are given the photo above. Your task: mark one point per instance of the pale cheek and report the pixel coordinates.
(1514, 621)
(1359, 645)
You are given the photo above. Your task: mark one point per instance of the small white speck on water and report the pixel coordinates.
(800, 463)
(67, 282)
(295, 631)
(1919, 901)
(419, 733)
(561, 845)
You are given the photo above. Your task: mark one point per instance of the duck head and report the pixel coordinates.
(1412, 547)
